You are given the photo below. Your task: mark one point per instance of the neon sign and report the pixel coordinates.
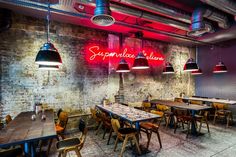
(97, 54)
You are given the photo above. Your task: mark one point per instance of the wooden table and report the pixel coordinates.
(132, 115)
(23, 131)
(211, 100)
(191, 107)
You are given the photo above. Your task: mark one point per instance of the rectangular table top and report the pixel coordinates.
(22, 129)
(182, 105)
(128, 113)
(230, 102)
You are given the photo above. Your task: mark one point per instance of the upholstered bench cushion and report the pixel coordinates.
(127, 130)
(68, 143)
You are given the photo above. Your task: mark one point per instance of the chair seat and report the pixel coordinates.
(59, 128)
(168, 113)
(68, 143)
(11, 152)
(149, 126)
(127, 130)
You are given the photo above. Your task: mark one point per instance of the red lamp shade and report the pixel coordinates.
(190, 65)
(168, 69)
(220, 68)
(140, 62)
(197, 72)
(123, 66)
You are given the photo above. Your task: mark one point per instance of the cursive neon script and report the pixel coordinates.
(96, 52)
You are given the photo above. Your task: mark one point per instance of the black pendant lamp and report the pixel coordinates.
(220, 68)
(123, 65)
(190, 65)
(168, 69)
(102, 14)
(48, 54)
(140, 61)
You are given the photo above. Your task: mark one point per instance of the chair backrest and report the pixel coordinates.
(63, 119)
(157, 112)
(58, 112)
(8, 119)
(180, 112)
(219, 106)
(115, 125)
(93, 113)
(146, 104)
(198, 102)
(178, 100)
(162, 107)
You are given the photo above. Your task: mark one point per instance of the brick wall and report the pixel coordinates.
(77, 85)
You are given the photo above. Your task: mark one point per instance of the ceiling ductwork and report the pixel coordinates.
(142, 15)
(158, 8)
(228, 6)
(102, 14)
(199, 26)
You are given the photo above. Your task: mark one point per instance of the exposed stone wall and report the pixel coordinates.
(78, 84)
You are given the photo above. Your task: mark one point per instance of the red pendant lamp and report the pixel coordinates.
(140, 61)
(168, 69)
(123, 66)
(197, 72)
(220, 68)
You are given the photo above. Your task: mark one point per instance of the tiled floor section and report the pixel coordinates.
(221, 142)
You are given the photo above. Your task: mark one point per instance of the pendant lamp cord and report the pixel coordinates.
(120, 46)
(48, 22)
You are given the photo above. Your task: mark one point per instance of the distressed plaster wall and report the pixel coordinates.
(78, 84)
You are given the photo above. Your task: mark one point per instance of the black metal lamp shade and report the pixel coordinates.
(48, 55)
(220, 68)
(102, 14)
(168, 69)
(190, 65)
(197, 72)
(123, 66)
(48, 67)
(140, 62)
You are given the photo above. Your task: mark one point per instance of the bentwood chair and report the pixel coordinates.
(61, 124)
(167, 113)
(8, 119)
(146, 106)
(106, 123)
(202, 117)
(95, 115)
(222, 112)
(124, 134)
(150, 127)
(73, 144)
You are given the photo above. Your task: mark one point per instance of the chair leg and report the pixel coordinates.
(188, 129)
(214, 121)
(159, 138)
(110, 133)
(105, 130)
(200, 126)
(176, 124)
(100, 125)
(59, 154)
(136, 143)
(78, 153)
(207, 125)
(149, 134)
(124, 145)
(64, 154)
(49, 146)
(117, 139)
(228, 117)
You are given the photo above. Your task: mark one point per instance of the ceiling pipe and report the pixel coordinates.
(141, 15)
(35, 6)
(228, 6)
(158, 8)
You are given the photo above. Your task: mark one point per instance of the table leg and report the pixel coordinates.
(193, 127)
(137, 126)
(29, 149)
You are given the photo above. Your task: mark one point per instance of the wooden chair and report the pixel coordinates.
(106, 123)
(94, 115)
(146, 106)
(178, 100)
(61, 124)
(150, 127)
(73, 144)
(202, 117)
(197, 102)
(221, 111)
(124, 134)
(183, 116)
(167, 113)
(8, 119)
